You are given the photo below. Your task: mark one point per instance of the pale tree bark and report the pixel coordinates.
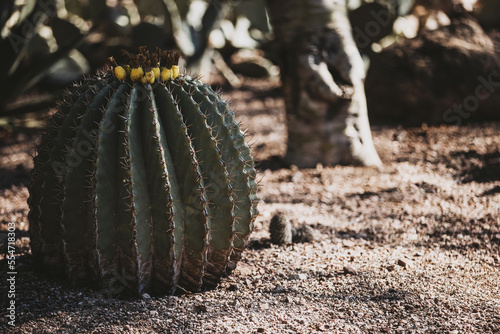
(323, 76)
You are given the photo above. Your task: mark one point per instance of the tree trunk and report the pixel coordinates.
(323, 81)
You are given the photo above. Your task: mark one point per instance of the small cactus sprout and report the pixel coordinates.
(280, 229)
(143, 182)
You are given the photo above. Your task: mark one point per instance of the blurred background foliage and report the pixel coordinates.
(47, 44)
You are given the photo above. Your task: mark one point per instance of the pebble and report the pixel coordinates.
(200, 308)
(298, 276)
(405, 263)
(348, 243)
(278, 289)
(297, 177)
(350, 270)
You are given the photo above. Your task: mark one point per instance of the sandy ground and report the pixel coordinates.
(411, 247)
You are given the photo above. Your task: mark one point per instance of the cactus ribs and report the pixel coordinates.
(151, 180)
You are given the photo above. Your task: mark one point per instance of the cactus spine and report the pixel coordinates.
(143, 177)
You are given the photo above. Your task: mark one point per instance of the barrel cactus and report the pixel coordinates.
(142, 177)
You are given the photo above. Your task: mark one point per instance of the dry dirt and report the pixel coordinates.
(412, 247)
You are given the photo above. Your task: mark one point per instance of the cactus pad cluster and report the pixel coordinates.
(143, 177)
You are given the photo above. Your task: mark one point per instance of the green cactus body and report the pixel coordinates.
(142, 185)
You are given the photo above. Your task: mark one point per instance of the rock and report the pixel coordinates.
(405, 263)
(350, 270)
(303, 234)
(230, 267)
(298, 276)
(297, 177)
(463, 58)
(278, 289)
(200, 308)
(348, 243)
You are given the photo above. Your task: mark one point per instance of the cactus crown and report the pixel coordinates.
(147, 182)
(147, 67)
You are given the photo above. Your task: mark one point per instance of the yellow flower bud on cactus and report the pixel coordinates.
(149, 76)
(156, 71)
(166, 74)
(136, 74)
(175, 71)
(120, 73)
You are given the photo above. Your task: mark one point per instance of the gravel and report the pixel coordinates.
(412, 247)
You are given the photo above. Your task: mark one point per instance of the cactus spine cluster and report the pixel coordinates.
(145, 182)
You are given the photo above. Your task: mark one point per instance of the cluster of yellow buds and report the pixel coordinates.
(137, 73)
(141, 68)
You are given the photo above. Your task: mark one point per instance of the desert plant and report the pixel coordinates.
(25, 55)
(142, 172)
